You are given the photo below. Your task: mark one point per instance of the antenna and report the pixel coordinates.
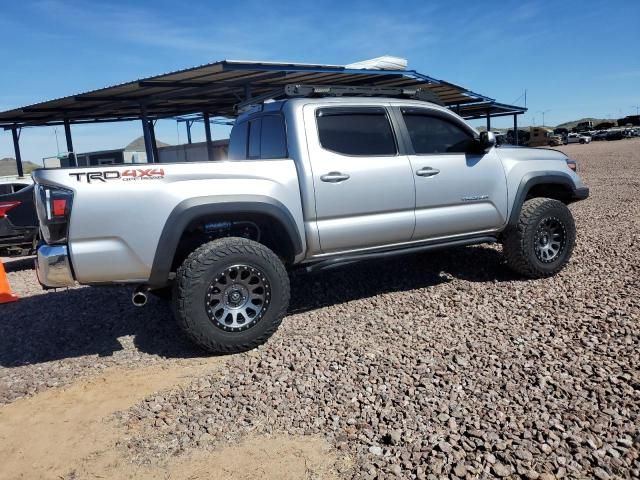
(543, 112)
(524, 95)
(55, 131)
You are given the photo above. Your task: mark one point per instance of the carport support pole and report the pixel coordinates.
(207, 133)
(67, 134)
(515, 128)
(148, 147)
(16, 148)
(154, 144)
(488, 121)
(189, 123)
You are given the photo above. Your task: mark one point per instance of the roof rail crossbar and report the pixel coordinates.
(292, 91)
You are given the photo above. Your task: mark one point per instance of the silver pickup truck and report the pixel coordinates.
(312, 182)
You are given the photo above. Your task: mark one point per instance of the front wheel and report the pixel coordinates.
(541, 243)
(230, 295)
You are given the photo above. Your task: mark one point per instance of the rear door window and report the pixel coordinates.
(356, 131)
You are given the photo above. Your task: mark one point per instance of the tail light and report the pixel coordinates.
(53, 205)
(6, 206)
(572, 164)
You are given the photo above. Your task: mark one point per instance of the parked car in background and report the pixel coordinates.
(523, 137)
(615, 135)
(555, 140)
(540, 137)
(577, 138)
(501, 138)
(599, 135)
(18, 218)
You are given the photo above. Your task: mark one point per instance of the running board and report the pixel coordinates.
(342, 260)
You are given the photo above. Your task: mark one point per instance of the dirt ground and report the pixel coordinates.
(435, 365)
(69, 432)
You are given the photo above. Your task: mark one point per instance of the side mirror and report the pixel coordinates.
(487, 140)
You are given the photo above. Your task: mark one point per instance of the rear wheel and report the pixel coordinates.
(541, 243)
(230, 295)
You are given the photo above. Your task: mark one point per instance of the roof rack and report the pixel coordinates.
(292, 91)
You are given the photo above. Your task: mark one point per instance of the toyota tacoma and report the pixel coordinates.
(317, 178)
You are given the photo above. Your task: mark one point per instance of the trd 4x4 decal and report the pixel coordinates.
(126, 176)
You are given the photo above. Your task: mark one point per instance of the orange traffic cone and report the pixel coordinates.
(6, 295)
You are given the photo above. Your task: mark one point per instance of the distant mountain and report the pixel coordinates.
(572, 124)
(138, 145)
(8, 167)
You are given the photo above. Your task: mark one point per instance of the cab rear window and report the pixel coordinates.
(238, 141)
(263, 138)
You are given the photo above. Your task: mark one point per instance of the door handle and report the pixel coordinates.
(334, 177)
(427, 172)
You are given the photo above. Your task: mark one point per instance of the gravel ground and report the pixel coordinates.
(52, 338)
(440, 364)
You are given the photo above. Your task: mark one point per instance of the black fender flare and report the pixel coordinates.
(188, 210)
(532, 179)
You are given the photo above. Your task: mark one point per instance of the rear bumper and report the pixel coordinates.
(53, 266)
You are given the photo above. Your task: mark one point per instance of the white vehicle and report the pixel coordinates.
(577, 138)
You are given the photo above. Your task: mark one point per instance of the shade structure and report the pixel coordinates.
(211, 91)
(216, 87)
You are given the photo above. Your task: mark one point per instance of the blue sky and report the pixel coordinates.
(575, 58)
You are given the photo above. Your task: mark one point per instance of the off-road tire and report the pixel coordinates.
(194, 278)
(519, 242)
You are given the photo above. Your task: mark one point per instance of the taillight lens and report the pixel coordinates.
(572, 164)
(6, 206)
(58, 207)
(53, 205)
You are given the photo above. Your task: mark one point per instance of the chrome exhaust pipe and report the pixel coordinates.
(139, 297)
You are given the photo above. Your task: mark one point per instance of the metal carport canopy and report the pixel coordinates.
(215, 88)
